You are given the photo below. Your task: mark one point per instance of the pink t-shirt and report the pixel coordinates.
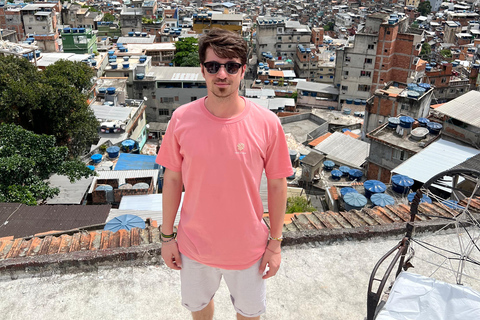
(222, 161)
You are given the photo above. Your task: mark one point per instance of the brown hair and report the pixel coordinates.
(225, 44)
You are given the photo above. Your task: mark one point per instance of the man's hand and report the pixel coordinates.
(171, 255)
(272, 258)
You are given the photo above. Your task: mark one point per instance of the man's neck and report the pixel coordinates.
(225, 107)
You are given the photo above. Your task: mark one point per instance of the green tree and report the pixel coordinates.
(426, 50)
(27, 160)
(446, 53)
(184, 49)
(191, 60)
(299, 204)
(424, 8)
(329, 26)
(52, 102)
(108, 17)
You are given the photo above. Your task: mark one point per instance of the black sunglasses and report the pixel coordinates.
(212, 67)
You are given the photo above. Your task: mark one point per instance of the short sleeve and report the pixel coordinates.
(169, 154)
(277, 162)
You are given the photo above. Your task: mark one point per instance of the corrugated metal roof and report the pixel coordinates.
(144, 206)
(145, 40)
(317, 87)
(121, 175)
(175, 73)
(112, 113)
(70, 193)
(129, 161)
(24, 221)
(439, 156)
(465, 108)
(345, 149)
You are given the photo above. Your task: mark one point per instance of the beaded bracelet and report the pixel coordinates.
(276, 239)
(165, 241)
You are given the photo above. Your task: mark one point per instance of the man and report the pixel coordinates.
(217, 148)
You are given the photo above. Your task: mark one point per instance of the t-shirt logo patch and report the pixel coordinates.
(240, 146)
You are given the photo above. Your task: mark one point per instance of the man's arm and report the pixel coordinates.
(172, 193)
(277, 199)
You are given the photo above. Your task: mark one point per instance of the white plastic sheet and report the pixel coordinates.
(415, 297)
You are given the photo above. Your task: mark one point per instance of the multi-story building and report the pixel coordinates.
(131, 20)
(11, 19)
(167, 88)
(278, 37)
(108, 29)
(451, 29)
(39, 18)
(387, 50)
(317, 36)
(314, 65)
(395, 99)
(448, 83)
(79, 40)
(202, 22)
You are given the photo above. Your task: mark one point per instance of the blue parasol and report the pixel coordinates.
(382, 199)
(126, 221)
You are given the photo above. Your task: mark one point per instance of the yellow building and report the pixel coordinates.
(206, 21)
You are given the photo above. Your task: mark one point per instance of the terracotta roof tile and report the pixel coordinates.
(316, 141)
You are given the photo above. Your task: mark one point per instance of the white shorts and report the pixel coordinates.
(200, 282)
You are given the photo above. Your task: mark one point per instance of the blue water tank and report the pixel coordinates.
(328, 165)
(344, 170)
(108, 189)
(393, 122)
(424, 198)
(130, 34)
(373, 187)
(401, 183)
(406, 121)
(382, 200)
(102, 90)
(354, 201)
(111, 90)
(96, 158)
(357, 102)
(140, 76)
(423, 122)
(346, 190)
(126, 65)
(349, 101)
(336, 174)
(128, 145)
(434, 127)
(111, 52)
(113, 152)
(91, 167)
(355, 174)
(347, 111)
(126, 58)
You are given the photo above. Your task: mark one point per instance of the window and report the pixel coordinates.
(404, 106)
(304, 64)
(289, 45)
(279, 45)
(363, 87)
(345, 73)
(321, 69)
(167, 99)
(399, 154)
(432, 81)
(344, 88)
(388, 32)
(370, 47)
(280, 38)
(386, 51)
(347, 59)
(80, 39)
(444, 80)
(163, 112)
(331, 77)
(364, 73)
(368, 60)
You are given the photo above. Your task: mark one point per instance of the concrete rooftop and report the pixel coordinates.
(316, 281)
